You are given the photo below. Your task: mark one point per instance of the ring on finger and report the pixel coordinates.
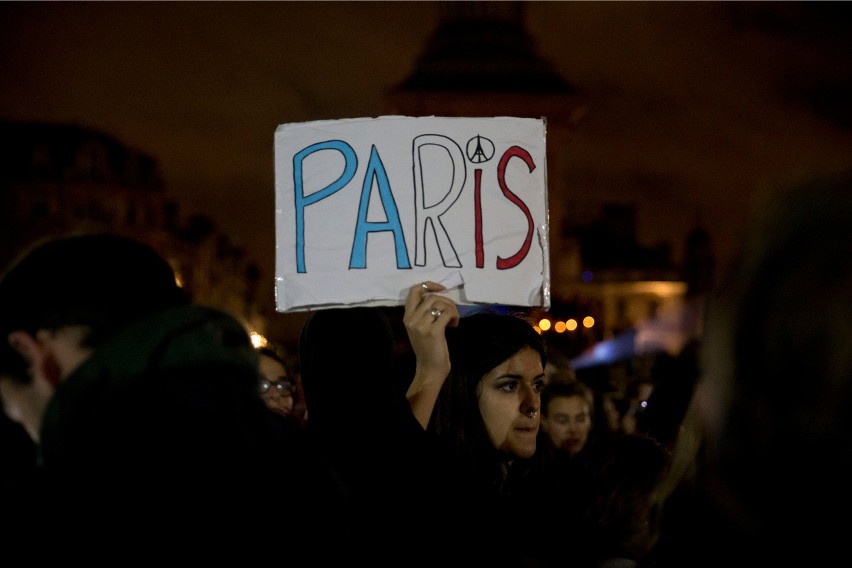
(435, 313)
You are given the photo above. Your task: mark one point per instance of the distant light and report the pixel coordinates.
(571, 324)
(176, 271)
(644, 404)
(559, 327)
(537, 329)
(588, 321)
(544, 324)
(258, 340)
(587, 276)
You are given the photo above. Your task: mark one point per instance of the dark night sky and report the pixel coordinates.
(694, 110)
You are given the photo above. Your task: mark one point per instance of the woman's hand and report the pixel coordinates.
(427, 316)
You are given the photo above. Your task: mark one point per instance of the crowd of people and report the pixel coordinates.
(132, 414)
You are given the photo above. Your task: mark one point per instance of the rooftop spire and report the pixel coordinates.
(483, 47)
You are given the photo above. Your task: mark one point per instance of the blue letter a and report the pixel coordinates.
(375, 169)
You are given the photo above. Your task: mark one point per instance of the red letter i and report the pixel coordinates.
(477, 210)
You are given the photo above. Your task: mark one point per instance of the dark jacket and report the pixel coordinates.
(162, 433)
(361, 426)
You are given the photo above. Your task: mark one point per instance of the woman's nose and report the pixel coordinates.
(531, 399)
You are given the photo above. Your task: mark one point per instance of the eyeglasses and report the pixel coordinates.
(284, 388)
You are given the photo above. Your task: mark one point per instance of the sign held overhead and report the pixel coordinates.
(366, 208)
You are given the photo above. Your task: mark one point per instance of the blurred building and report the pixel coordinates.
(57, 179)
(481, 61)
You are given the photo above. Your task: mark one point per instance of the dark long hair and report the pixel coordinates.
(480, 342)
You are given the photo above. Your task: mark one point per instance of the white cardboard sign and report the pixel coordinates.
(365, 208)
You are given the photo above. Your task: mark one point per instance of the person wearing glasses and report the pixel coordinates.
(277, 387)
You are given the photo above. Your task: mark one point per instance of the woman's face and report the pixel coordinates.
(568, 422)
(510, 400)
(273, 376)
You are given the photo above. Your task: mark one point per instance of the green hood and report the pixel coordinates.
(163, 345)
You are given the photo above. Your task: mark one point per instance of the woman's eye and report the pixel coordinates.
(539, 385)
(508, 387)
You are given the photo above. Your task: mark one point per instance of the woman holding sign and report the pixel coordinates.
(477, 388)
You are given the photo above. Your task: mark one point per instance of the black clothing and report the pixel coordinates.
(160, 441)
(361, 426)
